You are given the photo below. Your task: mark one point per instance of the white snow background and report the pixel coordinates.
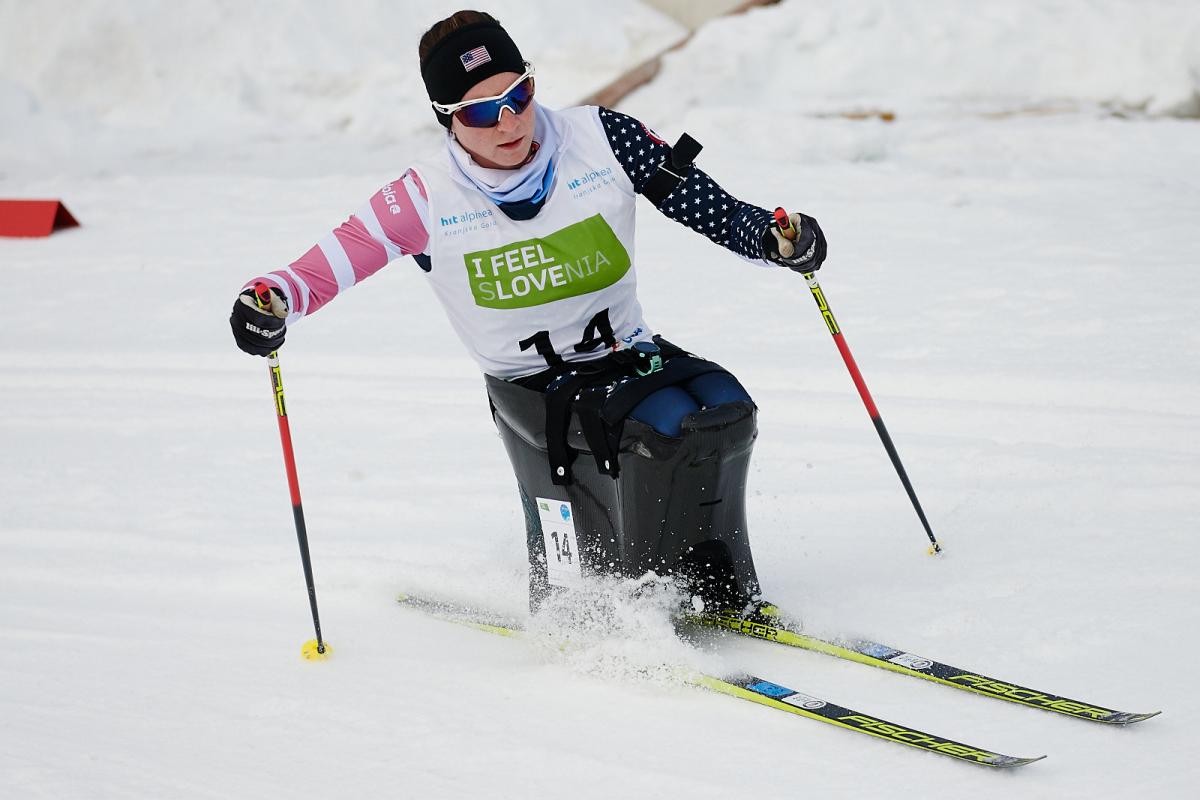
(1013, 262)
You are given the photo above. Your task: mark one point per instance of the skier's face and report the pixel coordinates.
(506, 145)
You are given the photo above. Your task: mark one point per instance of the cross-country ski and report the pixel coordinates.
(758, 690)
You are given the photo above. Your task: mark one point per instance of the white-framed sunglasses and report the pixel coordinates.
(484, 112)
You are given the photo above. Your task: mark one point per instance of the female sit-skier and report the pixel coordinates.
(630, 453)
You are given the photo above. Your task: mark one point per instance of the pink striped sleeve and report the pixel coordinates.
(391, 224)
(366, 255)
(316, 273)
(402, 222)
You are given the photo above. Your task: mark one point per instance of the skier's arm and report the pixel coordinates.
(389, 225)
(698, 201)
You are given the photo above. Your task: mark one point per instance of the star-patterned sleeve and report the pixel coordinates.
(698, 202)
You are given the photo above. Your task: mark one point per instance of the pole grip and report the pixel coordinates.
(262, 293)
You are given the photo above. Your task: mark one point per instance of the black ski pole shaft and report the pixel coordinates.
(781, 219)
(317, 648)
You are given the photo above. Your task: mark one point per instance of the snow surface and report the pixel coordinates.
(1019, 291)
(913, 55)
(85, 81)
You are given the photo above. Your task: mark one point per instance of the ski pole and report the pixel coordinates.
(785, 227)
(314, 649)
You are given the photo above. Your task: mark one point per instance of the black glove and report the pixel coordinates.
(804, 251)
(259, 331)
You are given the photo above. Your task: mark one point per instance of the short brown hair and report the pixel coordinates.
(449, 25)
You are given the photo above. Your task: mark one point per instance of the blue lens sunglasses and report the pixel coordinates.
(484, 112)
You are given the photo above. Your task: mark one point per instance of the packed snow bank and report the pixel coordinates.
(96, 74)
(917, 55)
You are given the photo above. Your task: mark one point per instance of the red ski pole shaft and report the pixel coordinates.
(785, 226)
(262, 292)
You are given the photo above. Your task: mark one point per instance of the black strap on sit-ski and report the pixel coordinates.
(669, 175)
(602, 413)
(559, 404)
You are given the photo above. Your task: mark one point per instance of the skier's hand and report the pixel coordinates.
(257, 323)
(794, 241)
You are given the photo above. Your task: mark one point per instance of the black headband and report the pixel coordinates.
(467, 56)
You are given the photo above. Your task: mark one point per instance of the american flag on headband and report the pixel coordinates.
(473, 58)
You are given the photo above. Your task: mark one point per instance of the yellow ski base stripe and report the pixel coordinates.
(862, 723)
(951, 676)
